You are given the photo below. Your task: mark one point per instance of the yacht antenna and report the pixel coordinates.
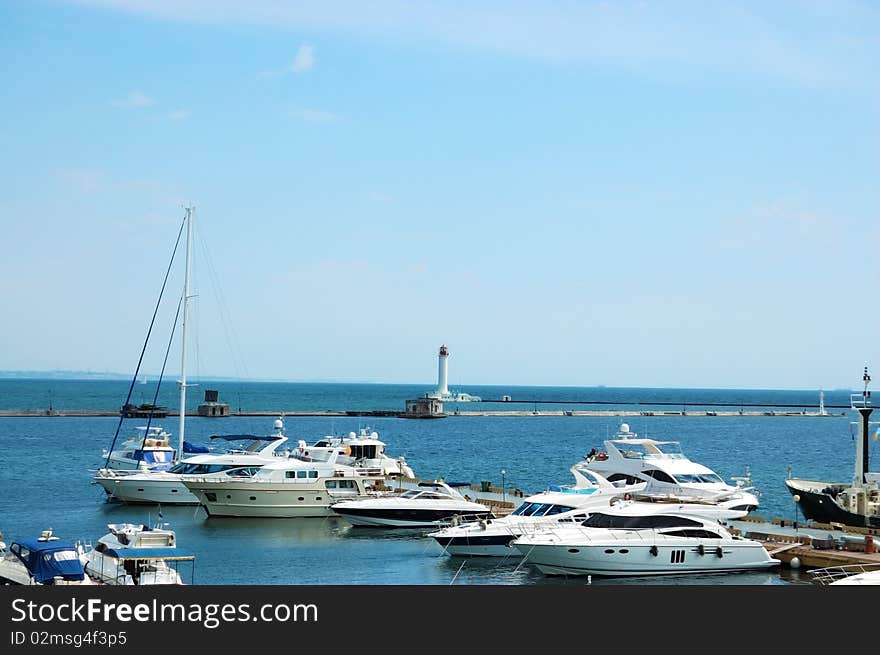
(186, 296)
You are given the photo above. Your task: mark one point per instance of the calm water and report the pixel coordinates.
(45, 477)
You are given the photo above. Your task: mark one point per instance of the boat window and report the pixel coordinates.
(330, 484)
(244, 472)
(699, 477)
(693, 532)
(662, 476)
(313, 474)
(624, 478)
(158, 456)
(600, 520)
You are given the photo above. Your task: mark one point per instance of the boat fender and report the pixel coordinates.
(654, 550)
(719, 552)
(701, 549)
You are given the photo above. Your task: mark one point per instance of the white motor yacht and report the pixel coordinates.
(431, 504)
(44, 560)
(635, 539)
(667, 470)
(288, 488)
(135, 554)
(364, 450)
(557, 504)
(147, 449)
(248, 454)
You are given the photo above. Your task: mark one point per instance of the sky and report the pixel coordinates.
(575, 193)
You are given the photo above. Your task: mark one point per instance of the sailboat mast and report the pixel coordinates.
(189, 228)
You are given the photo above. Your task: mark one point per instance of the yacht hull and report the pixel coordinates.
(618, 559)
(818, 503)
(402, 517)
(480, 545)
(260, 503)
(147, 492)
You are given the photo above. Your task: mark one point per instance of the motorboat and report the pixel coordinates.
(288, 488)
(667, 470)
(636, 539)
(362, 450)
(247, 454)
(855, 503)
(136, 554)
(562, 504)
(147, 449)
(44, 560)
(430, 505)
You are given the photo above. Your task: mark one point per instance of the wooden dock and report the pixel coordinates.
(812, 545)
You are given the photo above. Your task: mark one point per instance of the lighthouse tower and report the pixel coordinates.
(442, 373)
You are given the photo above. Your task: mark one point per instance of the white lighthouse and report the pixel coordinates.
(442, 373)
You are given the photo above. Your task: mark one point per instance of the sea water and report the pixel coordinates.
(48, 462)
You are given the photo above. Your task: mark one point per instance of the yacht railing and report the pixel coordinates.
(826, 576)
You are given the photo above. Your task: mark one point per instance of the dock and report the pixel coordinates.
(811, 544)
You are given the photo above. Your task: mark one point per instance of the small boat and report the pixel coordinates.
(247, 455)
(44, 560)
(492, 537)
(638, 540)
(430, 505)
(147, 449)
(855, 503)
(664, 466)
(288, 488)
(135, 554)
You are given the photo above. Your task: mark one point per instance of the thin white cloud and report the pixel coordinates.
(314, 116)
(304, 59)
(84, 180)
(134, 99)
(180, 115)
(789, 39)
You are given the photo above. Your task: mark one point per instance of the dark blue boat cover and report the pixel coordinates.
(48, 559)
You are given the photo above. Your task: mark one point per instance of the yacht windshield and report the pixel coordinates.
(649, 449)
(158, 456)
(639, 522)
(699, 478)
(539, 509)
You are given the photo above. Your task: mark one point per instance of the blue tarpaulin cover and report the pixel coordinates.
(48, 559)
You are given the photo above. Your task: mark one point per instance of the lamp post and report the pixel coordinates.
(796, 498)
(503, 488)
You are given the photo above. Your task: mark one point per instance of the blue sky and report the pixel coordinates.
(676, 194)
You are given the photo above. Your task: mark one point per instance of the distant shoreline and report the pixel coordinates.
(88, 413)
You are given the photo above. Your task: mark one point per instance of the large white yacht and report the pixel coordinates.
(557, 504)
(362, 450)
(135, 554)
(44, 560)
(638, 539)
(248, 454)
(288, 488)
(431, 504)
(662, 464)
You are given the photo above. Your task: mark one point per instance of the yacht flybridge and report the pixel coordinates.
(666, 469)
